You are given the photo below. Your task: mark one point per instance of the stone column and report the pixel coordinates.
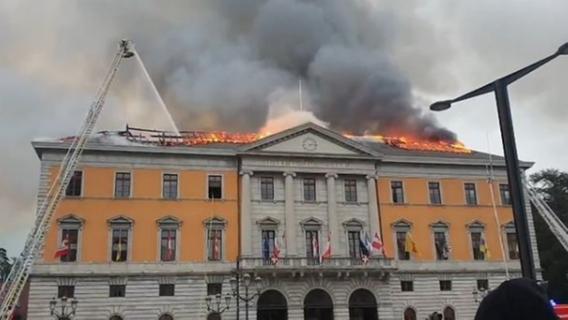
(246, 223)
(332, 213)
(373, 206)
(291, 247)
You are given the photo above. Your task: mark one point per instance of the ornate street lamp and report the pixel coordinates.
(247, 283)
(68, 308)
(499, 88)
(214, 303)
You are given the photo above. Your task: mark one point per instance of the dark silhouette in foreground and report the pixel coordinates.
(517, 299)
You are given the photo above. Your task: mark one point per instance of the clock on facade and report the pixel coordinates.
(309, 144)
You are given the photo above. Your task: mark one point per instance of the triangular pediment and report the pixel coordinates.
(309, 138)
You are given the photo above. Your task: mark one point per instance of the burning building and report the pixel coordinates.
(335, 226)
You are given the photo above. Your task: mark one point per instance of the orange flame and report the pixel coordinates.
(196, 138)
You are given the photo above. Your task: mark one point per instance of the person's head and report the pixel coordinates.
(517, 299)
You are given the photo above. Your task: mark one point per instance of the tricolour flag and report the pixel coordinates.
(365, 252)
(327, 252)
(377, 244)
(63, 250)
(276, 252)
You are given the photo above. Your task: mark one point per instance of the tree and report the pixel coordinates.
(553, 186)
(5, 265)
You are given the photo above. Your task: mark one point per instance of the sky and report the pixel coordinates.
(221, 64)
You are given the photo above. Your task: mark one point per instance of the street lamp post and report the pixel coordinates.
(215, 306)
(499, 87)
(68, 308)
(247, 283)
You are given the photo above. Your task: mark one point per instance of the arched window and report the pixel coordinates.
(449, 313)
(166, 316)
(318, 305)
(409, 314)
(116, 317)
(272, 305)
(362, 305)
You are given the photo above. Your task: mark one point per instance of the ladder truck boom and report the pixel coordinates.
(16, 280)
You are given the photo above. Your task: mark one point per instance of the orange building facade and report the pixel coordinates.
(150, 229)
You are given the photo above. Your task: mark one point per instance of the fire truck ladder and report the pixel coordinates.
(556, 226)
(14, 284)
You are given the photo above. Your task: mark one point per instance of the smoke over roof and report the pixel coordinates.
(223, 77)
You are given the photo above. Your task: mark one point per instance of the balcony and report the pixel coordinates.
(302, 265)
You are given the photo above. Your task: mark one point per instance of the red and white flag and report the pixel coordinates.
(171, 251)
(275, 252)
(327, 252)
(377, 244)
(315, 247)
(63, 250)
(217, 248)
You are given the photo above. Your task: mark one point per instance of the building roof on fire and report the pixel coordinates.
(222, 144)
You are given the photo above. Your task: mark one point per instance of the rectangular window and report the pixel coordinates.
(309, 189)
(401, 246)
(267, 245)
(350, 190)
(215, 187)
(312, 247)
(505, 194)
(445, 285)
(66, 291)
(512, 246)
(75, 185)
(167, 290)
(214, 289)
(470, 194)
(435, 194)
(267, 188)
(170, 188)
(354, 238)
(476, 240)
(71, 236)
(441, 244)
(406, 286)
(168, 245)
(397, 192)
(119, 244)
(122, 185)
(482, 284)
(214, 244)
(117, 290)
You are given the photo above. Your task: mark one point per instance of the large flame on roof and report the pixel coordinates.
(199, 138)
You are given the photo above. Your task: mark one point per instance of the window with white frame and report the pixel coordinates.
(122, 185)
(120, 235)
(69, 235)
(312, 229)
(401, 229)
(215, 228)
(309, 189)
(354, 229)
(478, 245)
(434, 192)
(470, 194)
(74, 188)
(441, 245)
(267, 188)
(350, 186)
(215, 186)
(168, 235)
(170, 186)
(397, 191)
(512, 242)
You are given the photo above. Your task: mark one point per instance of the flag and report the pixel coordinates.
(377, 244)
(315, 247)
(63, 250)
(327, 252)
(409, 244)
(217, 248)
(364, 250)
(170, 247)
(266, 249)
(118, 250)
(483, 248)
(276, 252)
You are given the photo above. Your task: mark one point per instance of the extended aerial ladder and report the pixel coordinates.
(14, 284)
(556, 226)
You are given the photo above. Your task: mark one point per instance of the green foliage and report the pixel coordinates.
(5, 264)
(553, 186)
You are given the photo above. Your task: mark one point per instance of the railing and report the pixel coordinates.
(315, 263)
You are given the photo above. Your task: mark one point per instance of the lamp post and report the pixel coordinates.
(247, 283)
(499, 87)
(215, 306)
(68, 308)
(480, 294)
